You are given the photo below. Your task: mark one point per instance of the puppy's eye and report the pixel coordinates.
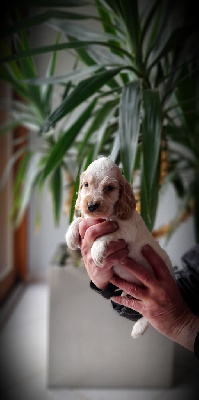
(86, 184)
(109, 188)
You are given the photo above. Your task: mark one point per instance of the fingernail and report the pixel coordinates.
(115, 225)
(146, 247)
(124, 260)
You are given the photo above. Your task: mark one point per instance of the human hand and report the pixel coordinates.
(159, 299)
(90, 230)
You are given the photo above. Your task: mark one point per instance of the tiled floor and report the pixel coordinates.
(23, 358)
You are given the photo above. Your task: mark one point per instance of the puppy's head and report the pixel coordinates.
(104, 192)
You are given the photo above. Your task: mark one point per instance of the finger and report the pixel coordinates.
(86, 223)
(145, 276)
(130, 303)
(114, 258)
(99, 229)
(130, 288)
(115, 246)
(159, 267)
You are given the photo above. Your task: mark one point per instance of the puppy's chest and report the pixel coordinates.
(131, 232)
(127, 231)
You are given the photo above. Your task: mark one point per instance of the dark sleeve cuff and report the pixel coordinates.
(187, 279)
(196, 346)
(112, 290)
(126, 312)
(107, 292)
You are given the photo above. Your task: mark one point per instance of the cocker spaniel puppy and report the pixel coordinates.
(105, 193)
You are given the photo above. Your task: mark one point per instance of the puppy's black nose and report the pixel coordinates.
(92, 206)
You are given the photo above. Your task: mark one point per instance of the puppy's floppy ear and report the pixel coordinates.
(78, 201)
(126, 204)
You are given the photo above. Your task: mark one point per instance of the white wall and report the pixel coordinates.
(43, 243)
(184, 237)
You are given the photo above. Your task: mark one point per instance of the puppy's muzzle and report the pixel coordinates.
(92, 206)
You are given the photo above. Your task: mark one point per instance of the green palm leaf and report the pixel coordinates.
(67, 138)
(30, 175)
(56, 190)
(151, 141)
(129, 125)
(151, 132)
(38, 19)
(82, 92)
(73, 44)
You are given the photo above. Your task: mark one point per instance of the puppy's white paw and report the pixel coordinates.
(139, 328)
(98, 251)
(72, 234)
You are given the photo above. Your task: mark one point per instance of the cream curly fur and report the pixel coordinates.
(105, 193)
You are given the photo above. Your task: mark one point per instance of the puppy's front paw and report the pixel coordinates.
(72, 234)
(139, 328)
(98, 251)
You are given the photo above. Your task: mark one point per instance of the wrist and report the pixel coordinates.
(196, 345)
(187, 331)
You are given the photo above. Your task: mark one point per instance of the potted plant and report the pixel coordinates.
(139, 97)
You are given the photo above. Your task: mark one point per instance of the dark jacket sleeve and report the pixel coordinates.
(187, 278)
(112, 290)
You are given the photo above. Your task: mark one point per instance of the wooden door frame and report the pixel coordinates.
(19, 269)
(20, 233)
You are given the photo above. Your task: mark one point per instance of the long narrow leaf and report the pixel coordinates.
(116, 147)
(115, 6)
(77, 44)
(39, 19)
(129, 125)
(14, 67)
(12, 160)
(63, 144)
(28, 185)
(27, 66)
(67, 77)
(150, 17)
(132, 24)
(149, 203)
(76, 187)
(176, 38)
(70, 28)
(21, 171)
(7, 76)
(107, 25)
(100, 117)
(56, 190)
(82, 92)
(185, 90)
(10, 126)
(151, 131)
(47, 90)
